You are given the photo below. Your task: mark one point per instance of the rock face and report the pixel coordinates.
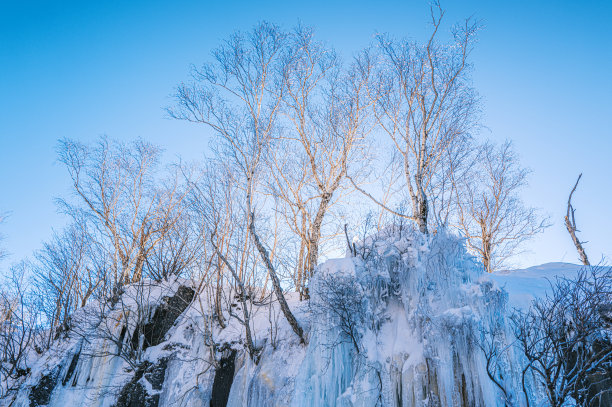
(224, 377)
(136, 394)
(40, 394)
(71, 369)
(154, 330)
(398, 325)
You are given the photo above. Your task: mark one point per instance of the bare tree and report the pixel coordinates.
(456, 167)
(231, 248)
(326, 111)
(339, 301)
(64, 276)
(243, 298)
(489, 211)
(563, 337)
(425, 104)
(119, 192)
(239, 97)
(228, 263)
(570, 224)
(19, 332)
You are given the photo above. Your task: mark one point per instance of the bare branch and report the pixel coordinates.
(570, 224)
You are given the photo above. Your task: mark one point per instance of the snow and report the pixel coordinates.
(422, 302)
(523, 286)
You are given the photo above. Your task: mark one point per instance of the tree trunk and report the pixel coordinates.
(486, 255)
(420, 209)
(245, 312)
(270, 267)
(314, 239)
(300, 283)
(572, 231)
(218, 305)
(276, 282)
(421, 216)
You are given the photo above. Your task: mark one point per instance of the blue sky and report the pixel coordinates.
(82, 69)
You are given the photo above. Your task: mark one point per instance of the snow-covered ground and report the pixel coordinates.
(524, 285)
(416, 305)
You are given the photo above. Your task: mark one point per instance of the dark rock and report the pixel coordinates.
(224, 377)
(134, 393)
(71, 368)
(40, 395)
(121, 338)
(165, 315)
(156, 374)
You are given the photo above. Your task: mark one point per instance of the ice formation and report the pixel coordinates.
(397, 324)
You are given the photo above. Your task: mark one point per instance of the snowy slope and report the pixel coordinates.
(417, 306)
(524, 285)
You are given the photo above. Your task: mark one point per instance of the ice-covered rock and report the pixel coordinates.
(396, 325)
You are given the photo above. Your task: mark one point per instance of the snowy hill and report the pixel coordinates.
(397, 325)
(525, 285)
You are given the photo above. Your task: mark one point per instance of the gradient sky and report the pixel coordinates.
(81, 69)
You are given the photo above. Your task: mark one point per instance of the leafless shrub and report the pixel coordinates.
(566, 339)
(19, 328)
(178, 252)
(338, 300)
(495, 350)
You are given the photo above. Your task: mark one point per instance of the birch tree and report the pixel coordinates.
(65, 276)
(239, 96)
(490, 212)
(325, 107)
(119, 191)
(425, 103)
(232, 261)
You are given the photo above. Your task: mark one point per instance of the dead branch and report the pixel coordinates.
(570, 224)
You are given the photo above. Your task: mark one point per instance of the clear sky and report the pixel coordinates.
(81, 69)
